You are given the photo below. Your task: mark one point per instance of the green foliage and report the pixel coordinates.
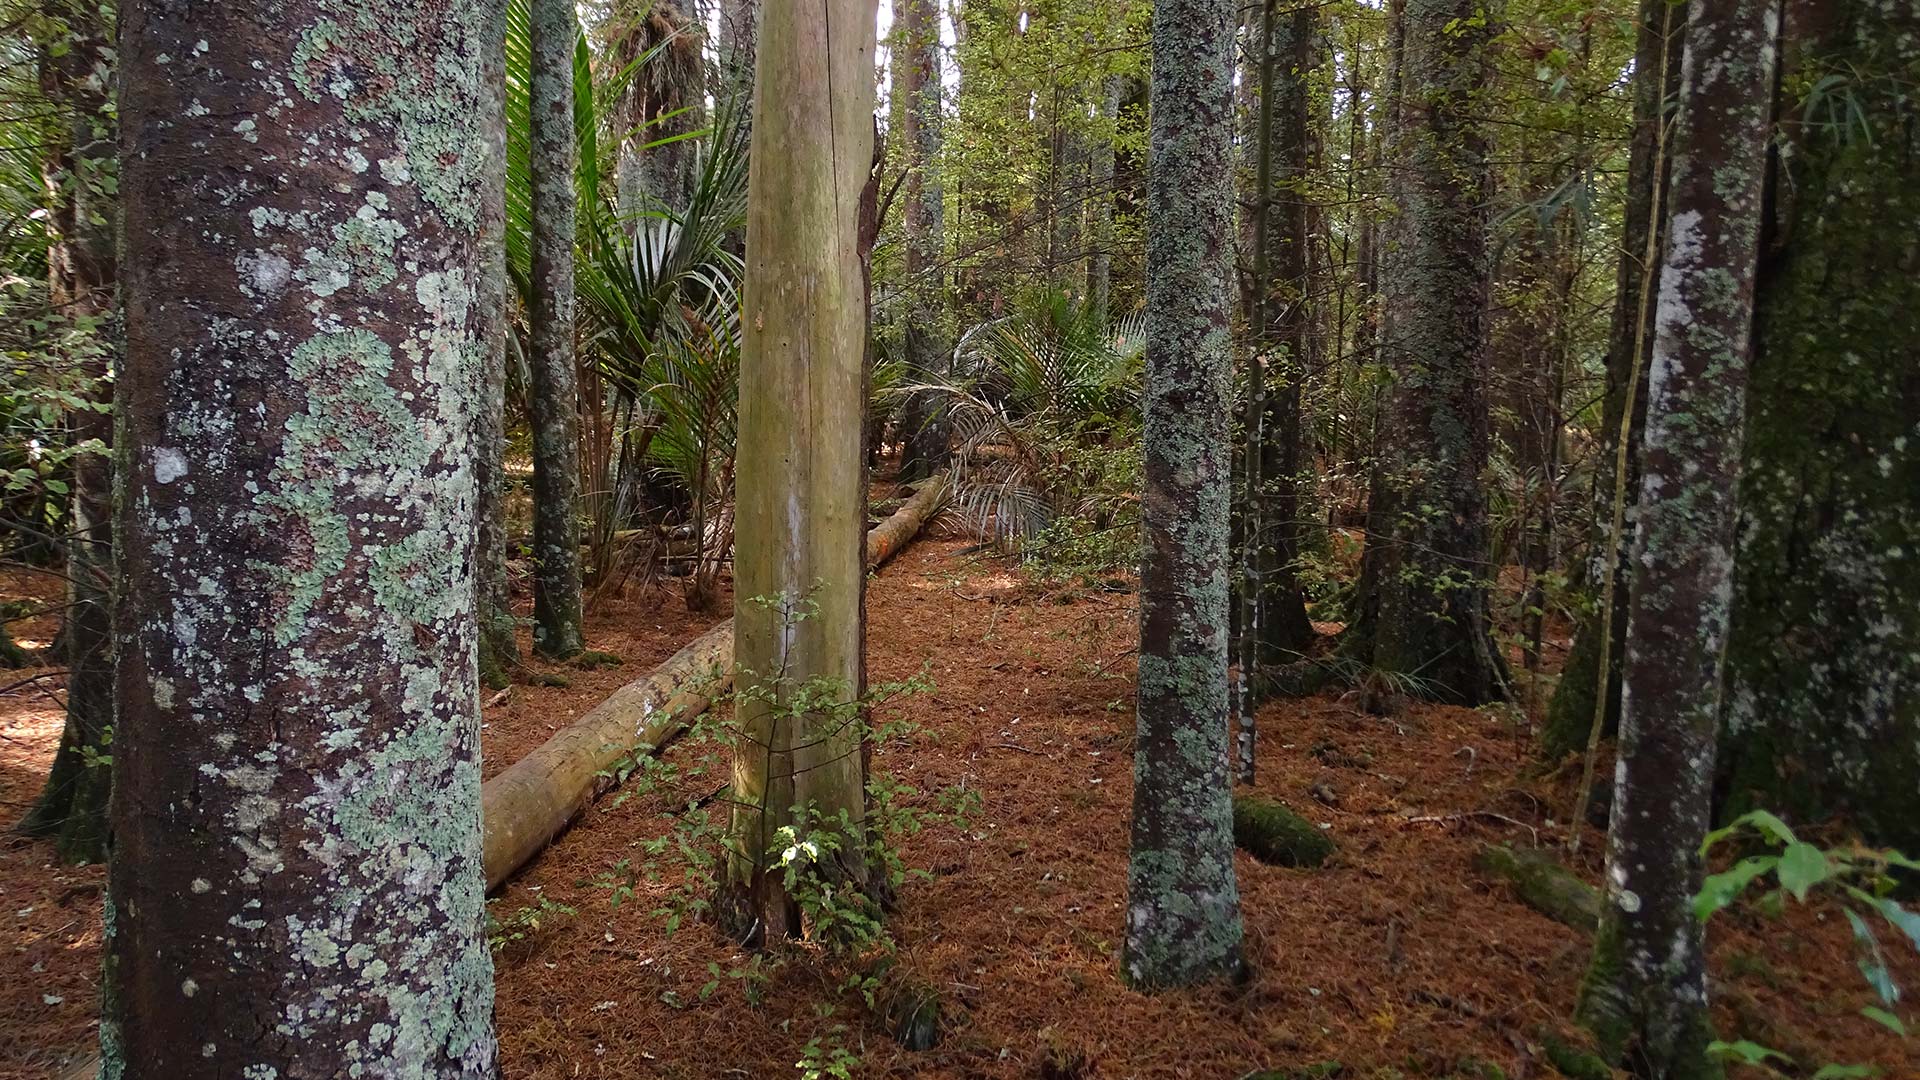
(1860, 880)
(522, 923)
(1044, 408)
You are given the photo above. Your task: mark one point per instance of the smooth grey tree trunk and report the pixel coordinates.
(1183, 906)
(552, 398)
(295, 888)
(1645, 996)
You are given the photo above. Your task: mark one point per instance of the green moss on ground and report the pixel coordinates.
(1276, 835)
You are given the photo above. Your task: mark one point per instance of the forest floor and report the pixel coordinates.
(1397, 955)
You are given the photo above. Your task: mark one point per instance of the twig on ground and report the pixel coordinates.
(1444, 819)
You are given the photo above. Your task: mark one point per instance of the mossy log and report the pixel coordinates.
(1543, 884)
(525, 807)
(1276, 835)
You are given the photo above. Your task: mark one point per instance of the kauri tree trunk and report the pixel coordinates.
(295, 887)
(917, 51)
(76, 77)
(1183, 906)
(1429, 527)
(552, 405)
(798, 562)
(493, 592)
(1645, 996)
(1570, 715)
(1822, 711)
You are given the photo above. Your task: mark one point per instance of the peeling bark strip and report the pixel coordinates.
(295, 890)
(1646, 994)
(1183, 907)
(551, 401)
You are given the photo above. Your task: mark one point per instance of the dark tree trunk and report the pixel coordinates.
(1183, 908)
(493, 592)
(296, 885)
(1570, 715)
(917, 52)
(1822, 710)
(72, 807)
(1645, 996)
(1283, 315)
(665, 100)
(552, 400)
(1430, 531)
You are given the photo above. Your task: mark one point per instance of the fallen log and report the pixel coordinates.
(534, 800)
(1543, 884)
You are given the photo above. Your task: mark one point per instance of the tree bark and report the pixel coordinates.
(917, 51)
(552, 399)
(493, 591)
(1657, 80)
(798, 557)
(82, 272)
(1183, 908)
(1822, 710)
(295, 887)
(1430, 525)
(1645, 996)
(1100, 205)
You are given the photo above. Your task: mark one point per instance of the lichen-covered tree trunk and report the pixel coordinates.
(72, 807)
(799, 526)
(1183, 902)
(1432, 572)
(1645, 996)
(1570, 715)
(493, 593)
(1281, 317)
(295, 888)
(917, 52)
(552, 405)
(1822, 711)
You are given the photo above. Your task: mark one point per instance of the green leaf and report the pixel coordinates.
(1725, 887)
(1845, 1072)
(1885, 1019)
(1802, 866)
(1745, 1051)
(1871, 964)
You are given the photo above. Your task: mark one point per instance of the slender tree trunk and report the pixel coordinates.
(1183, 909)
(1571, 713)
(917, 77)
(72, 807)
(1432, 574)
(296, 885)
(552, 405)
(1822, 710)
(1646, 994)
(1100, 208)
(739, 36)
(493, 592)
(798, 566)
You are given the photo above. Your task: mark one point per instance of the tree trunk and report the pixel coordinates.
(1183, 909)
(1657, 81)
(1645, 996)
(1432, 574)
(552, 405)
(739, 36)
(798, 566)
(72, 807)
(493, 591)
(1100, 206)
(1281, 320)
(664, 100)
(917, 52)
(1822, 711)
(295, 888)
